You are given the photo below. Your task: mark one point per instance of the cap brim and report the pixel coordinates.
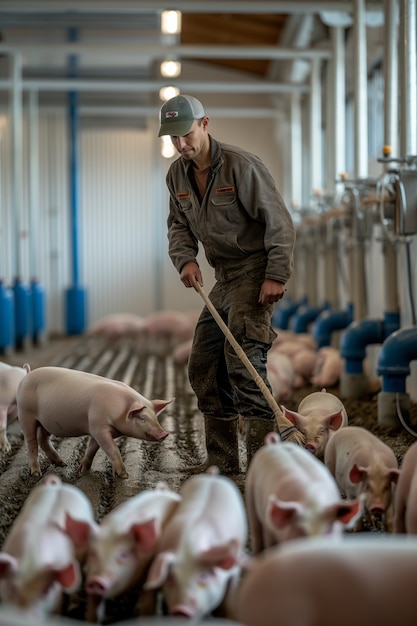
(179, 129)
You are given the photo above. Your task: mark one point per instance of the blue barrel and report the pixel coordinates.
(21, 312)
(75, 310)
(6, 317)
(37, 298)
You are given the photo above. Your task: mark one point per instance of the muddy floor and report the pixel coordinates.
(149, 368)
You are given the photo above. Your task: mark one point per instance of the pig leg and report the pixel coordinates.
(105, 440)
(29, 426)
(255, 526)
(90, 453)
(4, 442)
(47, 447)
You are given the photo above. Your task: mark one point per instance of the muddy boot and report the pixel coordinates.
(256, 430)
(222, 446)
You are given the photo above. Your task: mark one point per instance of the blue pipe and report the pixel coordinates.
(327, 322)
(360, 334)
(394, 359)
(284, 312)
(75, 304)
(37, 293)
(22, 312)
(6, 318)
(304, 316)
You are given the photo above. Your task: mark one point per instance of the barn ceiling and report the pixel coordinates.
(114, 48)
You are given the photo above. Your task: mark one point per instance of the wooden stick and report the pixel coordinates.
(286, 429)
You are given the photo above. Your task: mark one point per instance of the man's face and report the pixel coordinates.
(191, 145)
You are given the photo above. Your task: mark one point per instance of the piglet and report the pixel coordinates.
(202, 546)
(319, 416)
(70, 403)
(43, 551)
(405, 497)
(280, 374)
(359, 579)
(290, 494)
(118, 325)
(123, 546)
(329, 367)
(362, 463)
(10, 378)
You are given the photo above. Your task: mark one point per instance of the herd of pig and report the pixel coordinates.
(293, 360)
(278, 553)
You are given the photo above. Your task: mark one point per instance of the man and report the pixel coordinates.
(226, 199)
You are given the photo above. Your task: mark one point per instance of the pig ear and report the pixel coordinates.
(357, 474)
(8, 564)
(69, 577)
(78, 531)
(224, 556)
(293, 416)
(394, 475)
(159, 405)
(335, 421)
(145, 535)
(348, 511)
(280, 513)
(159, 570)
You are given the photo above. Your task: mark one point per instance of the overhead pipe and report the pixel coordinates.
(75, 295)
(6, 294)
(397, 351)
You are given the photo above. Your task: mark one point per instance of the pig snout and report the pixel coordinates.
(157, 434)
(311, 447)
(182, 611)
(97, 586)
(377, 510)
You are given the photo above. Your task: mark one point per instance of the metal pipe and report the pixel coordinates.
(360, 92)
(390, 65)
(185, 51)
(134, 7)
(124, 86)
(408, 89)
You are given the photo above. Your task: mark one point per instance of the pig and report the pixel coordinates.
(303, 361)
(405, 496)
(358, 579)
(280, 374)
(10, 377)
(202, 546)
(363, 464)
(289, 493)
(182, 351)
(70, 403)
(320, 414)
(171, 325)
(118, 325)
(45, 547)
(123, 546)
(329, 367)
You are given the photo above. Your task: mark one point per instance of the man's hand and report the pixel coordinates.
(191, 275)
(271, 291)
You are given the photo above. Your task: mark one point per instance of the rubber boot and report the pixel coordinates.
(256, 430)
(222, 446)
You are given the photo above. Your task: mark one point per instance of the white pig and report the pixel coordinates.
(70, 403)
(359, 579)
(320, 414)
(405, 497)
(362, 463)
(329, 367)
(10, 377)
(42, 553)
(124, 545)
(289, 493)
(202, 546)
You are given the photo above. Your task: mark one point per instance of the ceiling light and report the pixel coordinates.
(168, 92)
(167, 147)
(170, 68)
(171, 22)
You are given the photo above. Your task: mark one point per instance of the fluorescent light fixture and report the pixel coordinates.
(168, 92)
(167, 147)
(170, 68)
(171, 22)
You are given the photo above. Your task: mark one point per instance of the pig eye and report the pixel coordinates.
(203, 579)
(124, 556)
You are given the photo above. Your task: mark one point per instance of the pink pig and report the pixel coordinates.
(328, 369)
(289, 494)
(202, 546)
(362, 463)
(280, 373)
(10, 378)
(71, 403)
(405, 498)
(123, 546)
(319, 416)
(360, 580)
(118, 325)
(46, 544)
